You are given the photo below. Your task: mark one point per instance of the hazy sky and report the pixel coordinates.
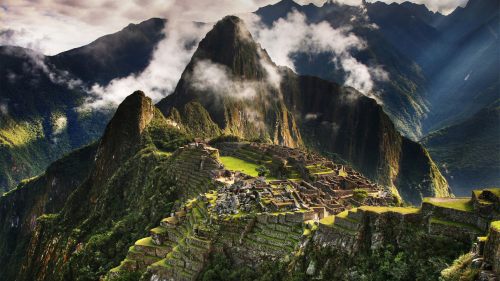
(53, 26)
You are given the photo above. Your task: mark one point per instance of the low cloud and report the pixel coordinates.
(216, 79)
(59, 125)
(44, 25)
(293, 34)
(160, 77)
(35, 64)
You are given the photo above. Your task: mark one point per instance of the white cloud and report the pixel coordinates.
(44, 25)
(35, 63)
(49, 25)
(293, 34)
(160, 77)
(215, 78)
(59, 124)
(312, 116)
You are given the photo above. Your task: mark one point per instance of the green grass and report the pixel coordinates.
(462, 204)
(482, 238)
(401, 210)
(236, 164)
(145, 242)
(329, 220)
(344, 214)
(455, 224)
(159, 230)
(162, 263)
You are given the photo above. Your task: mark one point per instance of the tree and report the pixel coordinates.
(263, 171)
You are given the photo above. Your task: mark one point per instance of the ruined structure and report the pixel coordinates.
(255, 218)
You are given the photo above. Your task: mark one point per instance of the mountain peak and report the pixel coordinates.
(123, 133)
(230, 43)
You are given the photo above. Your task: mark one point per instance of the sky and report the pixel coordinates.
(54, 26)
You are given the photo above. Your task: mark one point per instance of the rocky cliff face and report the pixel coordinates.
(253, 98)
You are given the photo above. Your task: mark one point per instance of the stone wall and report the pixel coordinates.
(492, 247)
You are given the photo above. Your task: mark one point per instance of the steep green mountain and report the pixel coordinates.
(246, 102)
(300, 110)
(131, 183)
(22, 207)
(469, 151)
(40, 97)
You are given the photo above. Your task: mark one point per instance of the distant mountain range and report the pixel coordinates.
(443, 71)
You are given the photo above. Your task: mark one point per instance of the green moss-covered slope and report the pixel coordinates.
(44, 194)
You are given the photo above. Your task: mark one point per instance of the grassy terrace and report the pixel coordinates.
(145, 242)
(455, 224)
(328, 221)
(159, 230)
(319, 169)
(461, 204)
(495, 191)
(380, 209)
(236, 164)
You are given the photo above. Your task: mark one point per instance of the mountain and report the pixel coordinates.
(296, 112)
(21, 207)
(468, 151)
(410, 29)
(465, 79)
(39, 120)
(449, 63)
(115, 55)
(404, 94)
(140, 171)
(95, 199)
(41, 97)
